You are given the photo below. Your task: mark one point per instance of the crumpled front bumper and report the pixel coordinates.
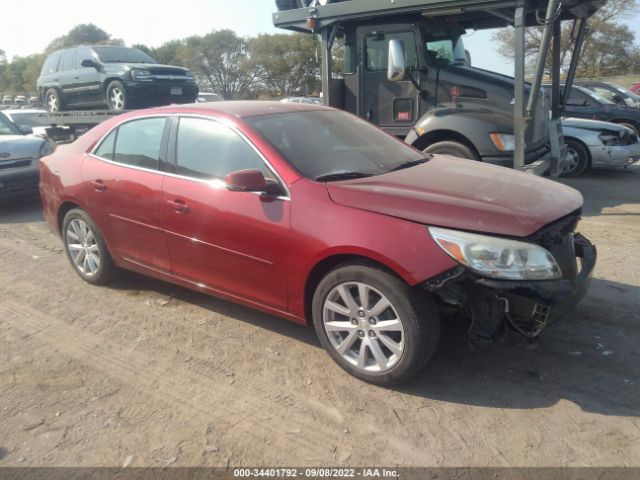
(527, 307)
(614, 156)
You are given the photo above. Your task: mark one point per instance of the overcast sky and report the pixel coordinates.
(153, 22)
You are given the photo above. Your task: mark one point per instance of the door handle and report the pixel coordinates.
(98, 185)
(179, 206)
(76, 77)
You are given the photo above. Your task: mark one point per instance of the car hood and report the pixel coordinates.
(155, 68)
(19, 146)
(596, 125)
(462, 194)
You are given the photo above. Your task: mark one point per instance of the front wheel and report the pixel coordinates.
(577, 159)
(117, 97)
(374, 325)
(455, 149)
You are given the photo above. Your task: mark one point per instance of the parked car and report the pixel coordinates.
(584, 103)
(594, 144)
(612, 92)
(307, 100)
(7, 100)
(20, 100)
(119, 77)
(209, 97)
(348, 229)
(36, 120)
(20, 153)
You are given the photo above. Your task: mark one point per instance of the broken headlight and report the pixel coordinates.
(497, 257)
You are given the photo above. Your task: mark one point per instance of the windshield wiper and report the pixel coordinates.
(410, 164)
(334, 176)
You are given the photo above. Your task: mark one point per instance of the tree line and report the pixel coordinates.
(268, 65)
(278, 65)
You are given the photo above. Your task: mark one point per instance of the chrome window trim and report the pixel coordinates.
(227, 123)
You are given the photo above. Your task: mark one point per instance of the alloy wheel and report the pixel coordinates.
(83, 247)
(363, 326)
(52, 102)
(116, 98)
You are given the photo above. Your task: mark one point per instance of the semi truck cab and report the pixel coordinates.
(439, 102)
(405, 68)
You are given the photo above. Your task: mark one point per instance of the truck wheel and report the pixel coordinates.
(117, 96)
(455, 149)
(52, 101)
(86, 249)
(577, 159)
(373, 324)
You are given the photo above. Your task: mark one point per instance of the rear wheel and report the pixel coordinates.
(52, 101)
(374, 325)
(86, 249)
(455, 149)
(577, 159)
(117, 97)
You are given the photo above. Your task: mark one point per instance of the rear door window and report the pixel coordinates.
(51, 64)
(138, 143)
(67, 61)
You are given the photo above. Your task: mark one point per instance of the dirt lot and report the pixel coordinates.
(147, 374)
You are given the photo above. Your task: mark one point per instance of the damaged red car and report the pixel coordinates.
(314, 215)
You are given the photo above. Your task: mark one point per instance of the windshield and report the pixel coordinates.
(449, 50)
(327, 142)
(595, 96)
(8, 128)
(122, 55)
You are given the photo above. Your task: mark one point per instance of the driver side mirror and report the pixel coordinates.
(397, 64)
(90, 63)
(251, 180)
(26, 129)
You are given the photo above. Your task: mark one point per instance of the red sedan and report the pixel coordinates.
(314, 215)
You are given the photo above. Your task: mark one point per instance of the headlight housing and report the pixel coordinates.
(496, 257)
(141, 74)
(47, 148)
(504, 142)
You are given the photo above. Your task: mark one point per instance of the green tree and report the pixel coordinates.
(220, 60)
(609, 47)
(286, 64)
(169, 52)
(83, 34)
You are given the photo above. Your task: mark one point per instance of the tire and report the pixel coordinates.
(53, 101)
(455, 149)
(117, 97)
(414, 334)
(577, 160)
(85, 248)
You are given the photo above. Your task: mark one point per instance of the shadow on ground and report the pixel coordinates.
(20, 211)
(604, 189)
(589, 359)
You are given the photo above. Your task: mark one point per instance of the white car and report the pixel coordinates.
(26, 119)
(20, 155)
(596, 144)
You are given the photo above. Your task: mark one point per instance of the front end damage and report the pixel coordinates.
(495, 307)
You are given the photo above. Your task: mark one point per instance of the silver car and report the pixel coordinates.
(20, 154)
(595, 144)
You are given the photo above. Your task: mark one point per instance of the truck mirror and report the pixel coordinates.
(397, 65)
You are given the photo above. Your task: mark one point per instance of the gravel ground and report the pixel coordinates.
(144, 373)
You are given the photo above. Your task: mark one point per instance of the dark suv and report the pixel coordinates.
(120, 77)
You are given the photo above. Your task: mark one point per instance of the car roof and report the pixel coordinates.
(242, 108)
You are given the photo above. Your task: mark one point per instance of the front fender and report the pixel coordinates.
(473, 124)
